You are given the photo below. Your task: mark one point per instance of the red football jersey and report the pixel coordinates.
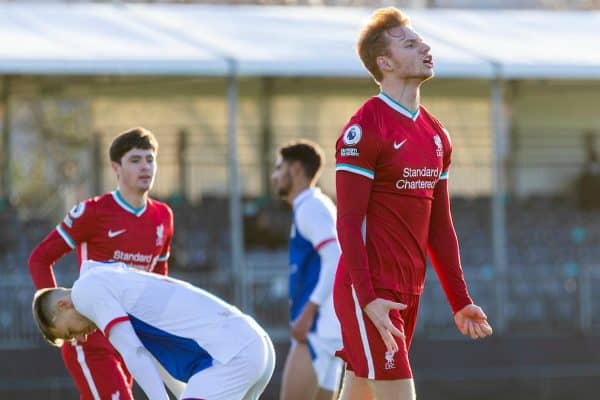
(107, 228)
(405, 155)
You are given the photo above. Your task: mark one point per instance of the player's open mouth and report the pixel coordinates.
(428, 61)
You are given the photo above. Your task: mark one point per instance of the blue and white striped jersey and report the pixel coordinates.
(184, 328)
(311, 277)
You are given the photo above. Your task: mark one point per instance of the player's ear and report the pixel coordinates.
(297, 168)
(384, 63)
(64, 303)
(115, 167)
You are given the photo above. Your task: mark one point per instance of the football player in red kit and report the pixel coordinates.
(392, 162)
(123, 225)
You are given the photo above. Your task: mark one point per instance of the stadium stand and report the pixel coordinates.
(552, 268)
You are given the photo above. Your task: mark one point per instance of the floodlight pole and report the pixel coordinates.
(235, 204)
(499, 243)
(6, 174)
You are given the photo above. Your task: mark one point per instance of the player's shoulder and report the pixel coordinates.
(316, 204)
(368, 112)
(88, 206)
(364, 123)
(436, 123)
(105, 203)
(432, 119)
(94, 281)
(323, 200)
(159, 207)
(372, 103)
(101, 201)
(87, 277)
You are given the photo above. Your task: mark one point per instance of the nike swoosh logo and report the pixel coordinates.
(112, 234)
(398, 145)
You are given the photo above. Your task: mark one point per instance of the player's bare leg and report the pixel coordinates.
(324, 394)
(355, 388)
(299, 378)
(400, 389)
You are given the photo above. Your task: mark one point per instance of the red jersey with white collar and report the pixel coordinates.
(106, 228)
(391, 172)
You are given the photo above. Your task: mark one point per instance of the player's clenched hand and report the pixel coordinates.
(472, 321)
(379, 312)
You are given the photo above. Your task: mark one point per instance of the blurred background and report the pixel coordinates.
(223, 84)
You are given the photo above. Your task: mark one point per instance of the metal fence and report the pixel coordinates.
(540, 300)
(543, 301)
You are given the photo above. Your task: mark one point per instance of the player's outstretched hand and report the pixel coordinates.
(472, 321)
(379, 312)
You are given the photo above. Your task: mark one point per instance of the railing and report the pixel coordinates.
(541, 301)
(545, 301)
(17, 329)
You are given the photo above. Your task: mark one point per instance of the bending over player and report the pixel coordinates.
(166, 330)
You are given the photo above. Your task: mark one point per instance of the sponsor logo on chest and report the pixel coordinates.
(419, 175)
(418, 178)
(137, 260)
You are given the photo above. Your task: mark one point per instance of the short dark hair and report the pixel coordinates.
(134, 138)
(44, 313)
(308, 153)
